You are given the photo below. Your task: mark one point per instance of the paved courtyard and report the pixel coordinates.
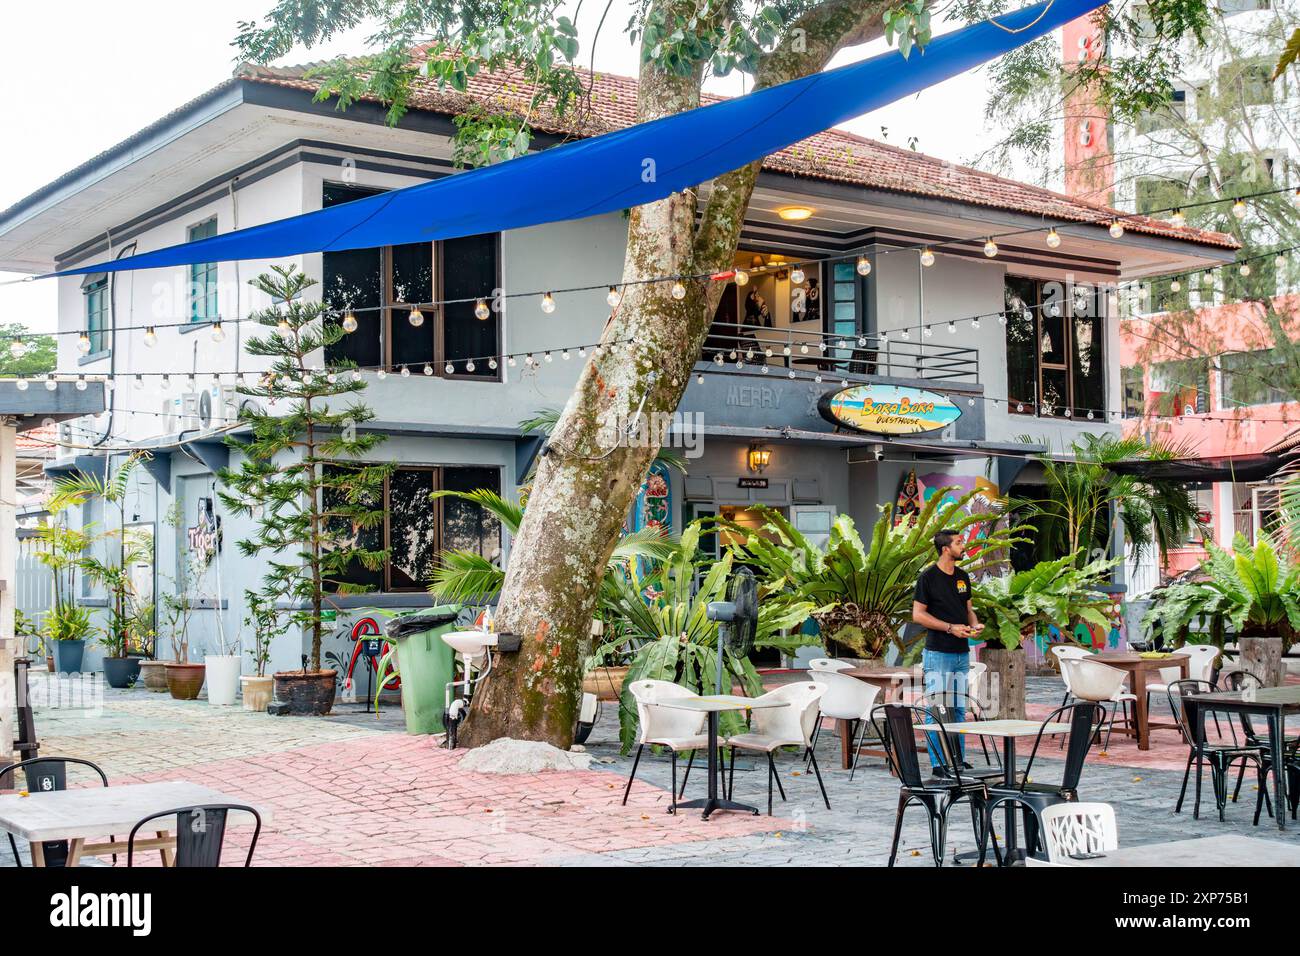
(353, 789)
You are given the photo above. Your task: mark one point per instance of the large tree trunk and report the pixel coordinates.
(587, 480)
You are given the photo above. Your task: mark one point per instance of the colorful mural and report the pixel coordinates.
(987, 498)
(654, 502)
(1114, 638)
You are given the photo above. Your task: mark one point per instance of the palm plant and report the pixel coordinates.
(1015, 606)
(1250, 591)
(664, 621)
(860, 593)
(1074, 514)
(466, 577)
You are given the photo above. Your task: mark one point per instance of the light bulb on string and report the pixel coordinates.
(548, 357)
(1053, 238)
(565, 355)
(349, 322)
(1239, 209)
(150, 337)
(492, 364)
(283, 324)
(864, 266)
(481, 310)
(416, 318)
(1116, 229)
(469, 366)
(218, 333)
(381, 374)
(50, 383)
(331, 377)
(1207, 277)
(405, 372)
(928, 331)
(990, 248)
(139, 381)
(1175, 286)
(1178, 220)
(17, 349)
(952, 328)
(678, 290)
(797, 276)
(165, 383)
(356, 375)
(81, 383)
(927, 256)
(548, 303)
(1244, 269)
(699, 378)
(975, 323)
(1280, 261)
(510, 360)
(613, 297)
(83, 343)
(742, 277)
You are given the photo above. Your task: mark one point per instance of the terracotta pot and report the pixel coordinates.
(154, 675)
(184, 681)
(257, 692)
(304, 694)
(605, 682)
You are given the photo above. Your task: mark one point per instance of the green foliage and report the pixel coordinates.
(1015, 606)
(1073, 514)
(303, 477)
(68, 622)
(40, 354)
(263, 620)
(123, 549)
(860, 593)
(1250, 592)
(1290, 54)
(665, 630)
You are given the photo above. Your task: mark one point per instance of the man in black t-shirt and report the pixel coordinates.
(941, 604)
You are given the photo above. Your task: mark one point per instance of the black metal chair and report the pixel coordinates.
(1033, 798)
(938, 796)
(200, 832)
(944, 705)
(47, 775)
(1220, 757)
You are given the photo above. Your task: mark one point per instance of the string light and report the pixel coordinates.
(283, 324)
(83, 343)
(1178, 220)
(1053, 238)
(50, 383)
(17, 349)
(1244, 268)
(481, 310)
(797, 276)
(416, 318)
(741, 277)
(864, 266)
(405, 372)
(678, 290)
(548, 303)
(21, 384)
(613, 297)
(150, 337)
(218, 333)
(1116, 229)
(990, 248)
(1239, 209)
(927, 257)
(349, 322)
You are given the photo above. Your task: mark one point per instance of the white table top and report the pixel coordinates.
(101, 811)
(720, 702)
(1226, 850)
(1002, 728)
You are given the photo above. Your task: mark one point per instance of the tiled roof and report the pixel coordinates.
(834, 155)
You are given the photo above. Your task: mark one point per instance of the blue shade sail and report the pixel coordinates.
(625, 168)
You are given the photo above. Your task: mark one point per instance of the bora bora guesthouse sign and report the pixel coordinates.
(888, 409)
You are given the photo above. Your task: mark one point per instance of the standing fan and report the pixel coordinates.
(737, 618)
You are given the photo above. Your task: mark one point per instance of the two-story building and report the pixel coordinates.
(1021, 338)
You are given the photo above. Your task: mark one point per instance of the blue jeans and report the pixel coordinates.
(945, 680)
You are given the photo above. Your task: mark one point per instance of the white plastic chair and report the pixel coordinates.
(1063, 653)
(670, 727)
(846, 698)
(975, 678)
(828, 664)
(772, 728)
(1099, 683)
(1078, 828)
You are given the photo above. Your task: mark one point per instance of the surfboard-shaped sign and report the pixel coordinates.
(888, 409)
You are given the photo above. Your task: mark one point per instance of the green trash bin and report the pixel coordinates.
(426, 665)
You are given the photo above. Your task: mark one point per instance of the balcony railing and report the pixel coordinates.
(746, 348)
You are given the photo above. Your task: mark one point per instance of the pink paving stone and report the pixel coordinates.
(328, 809)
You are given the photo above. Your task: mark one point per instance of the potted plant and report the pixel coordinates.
(67, 627)
(32, 641)
(263, 621)
(1252, 592)
(1015, 606)
(184, 679)
(861, 592)
(303, 479)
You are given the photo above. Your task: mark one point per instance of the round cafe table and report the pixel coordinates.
(713, 705)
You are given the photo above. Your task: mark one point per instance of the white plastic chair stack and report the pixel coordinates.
(1076, 829)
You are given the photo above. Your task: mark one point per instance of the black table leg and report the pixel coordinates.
(1276, 726)
(1198, 722)
(713, 802)
(1012, 808)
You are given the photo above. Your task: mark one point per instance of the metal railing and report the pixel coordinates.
(746, 348)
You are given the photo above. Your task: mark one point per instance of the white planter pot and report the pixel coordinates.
(223, 679)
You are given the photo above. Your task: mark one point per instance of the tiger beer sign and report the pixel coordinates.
(888, 409)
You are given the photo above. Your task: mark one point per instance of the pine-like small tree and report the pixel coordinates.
(303, 477)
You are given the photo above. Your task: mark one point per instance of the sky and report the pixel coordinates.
(83, 75)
